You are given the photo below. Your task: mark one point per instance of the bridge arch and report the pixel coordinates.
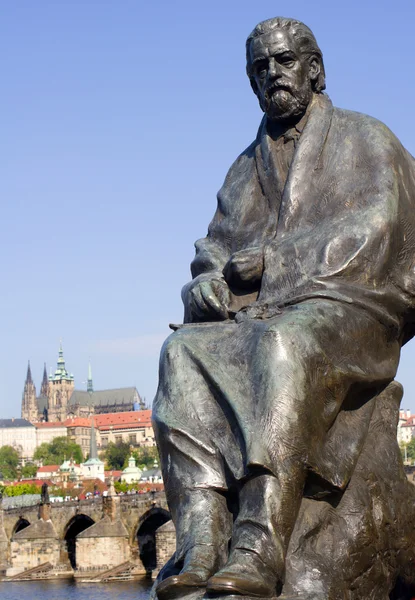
(145, 535)
(76, 525)
(22, 523)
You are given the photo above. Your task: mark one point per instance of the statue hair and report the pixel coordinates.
(304, 37)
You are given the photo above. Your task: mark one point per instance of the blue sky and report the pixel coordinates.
(119, 122)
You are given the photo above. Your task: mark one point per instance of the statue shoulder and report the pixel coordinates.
(366, 131)
(243, 161)
(240, 172)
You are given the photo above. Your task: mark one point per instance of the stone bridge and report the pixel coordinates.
(87, 536)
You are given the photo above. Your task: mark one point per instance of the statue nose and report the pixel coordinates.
(274, 69)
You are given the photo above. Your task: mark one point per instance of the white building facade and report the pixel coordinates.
(21, 435)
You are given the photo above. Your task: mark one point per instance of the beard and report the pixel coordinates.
(285, 105)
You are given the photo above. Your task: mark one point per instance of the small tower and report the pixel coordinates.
(60, 388)
(29, 403)
(90, 385)
(93, 468)
(93, 452)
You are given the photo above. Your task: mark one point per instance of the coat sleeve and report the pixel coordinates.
(226, 231)
(352, 252)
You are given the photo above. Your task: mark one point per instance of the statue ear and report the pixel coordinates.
(315, 68)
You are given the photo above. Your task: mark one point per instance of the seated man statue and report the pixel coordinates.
(303, 294)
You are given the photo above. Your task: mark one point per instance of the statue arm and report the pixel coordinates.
(219, 258)
(206, 297)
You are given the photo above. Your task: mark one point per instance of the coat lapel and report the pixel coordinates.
(285, 202)
(270, 178)
(306, 161)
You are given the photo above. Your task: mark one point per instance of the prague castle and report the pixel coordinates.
(59, 400)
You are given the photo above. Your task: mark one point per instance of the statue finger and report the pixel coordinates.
(212, 301)
(222, 292)
(199, 306)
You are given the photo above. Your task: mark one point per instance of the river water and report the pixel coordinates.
(70, 590)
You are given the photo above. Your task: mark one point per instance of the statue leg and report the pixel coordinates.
(300, 381)
(193, 473)
(261, 533)
(203, 530)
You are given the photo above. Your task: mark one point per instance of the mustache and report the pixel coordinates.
(276, 86)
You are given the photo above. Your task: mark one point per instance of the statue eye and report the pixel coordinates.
(261, 70)
(287, 62)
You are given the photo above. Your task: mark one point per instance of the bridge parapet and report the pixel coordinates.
(132, 506)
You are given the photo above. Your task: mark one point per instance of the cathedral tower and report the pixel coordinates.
(44, 390)
(29, 403)
(60, 388)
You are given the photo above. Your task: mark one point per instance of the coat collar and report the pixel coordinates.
(307, 158)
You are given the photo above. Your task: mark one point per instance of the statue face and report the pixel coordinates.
(282, 76)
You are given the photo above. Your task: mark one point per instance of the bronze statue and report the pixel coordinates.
(44, 497)
(303, 293)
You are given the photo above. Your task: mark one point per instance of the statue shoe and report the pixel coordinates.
(200, 562)
(178, 586)
(245, 574)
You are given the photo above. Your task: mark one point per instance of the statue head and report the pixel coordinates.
(285, 67)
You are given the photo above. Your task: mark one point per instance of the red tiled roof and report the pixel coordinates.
(38, 482)
(121, 420)
(48, 469)
(138, 417)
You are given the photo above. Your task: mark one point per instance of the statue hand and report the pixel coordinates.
(245, 267)
(209, 298)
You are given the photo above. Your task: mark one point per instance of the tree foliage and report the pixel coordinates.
(410, 450)
(9, 461)
(58, 450)
(29, 470)
(146, 456)
(21, 489)
(116, 455)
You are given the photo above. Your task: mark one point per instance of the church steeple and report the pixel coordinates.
(44, 388)
(90, 385)
(29, 402)
(61, 374)
(93, 452)
(60, 388)
(28, 374)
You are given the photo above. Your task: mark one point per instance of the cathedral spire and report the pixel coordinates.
(44, 388)
(61, 360)
(29, 374)
(90, 385)
(29, 402)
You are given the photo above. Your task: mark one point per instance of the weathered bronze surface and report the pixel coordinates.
(276, 410)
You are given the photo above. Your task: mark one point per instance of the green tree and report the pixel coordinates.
(410, 450)
(116, 455)
(9, 461)
(21, 489)
(59, 449)
(146, 456)
(29, 470)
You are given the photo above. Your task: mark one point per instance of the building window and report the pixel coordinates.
(104, 441)
(118, 439)
(132, 438)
